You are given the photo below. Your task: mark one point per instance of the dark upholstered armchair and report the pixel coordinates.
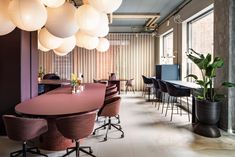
(24, 129)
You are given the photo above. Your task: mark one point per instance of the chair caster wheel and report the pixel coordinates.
(93, 133)
(122, 136)
(105, 139)
(91, 151)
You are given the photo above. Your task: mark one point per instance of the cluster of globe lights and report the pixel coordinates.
(60, 25)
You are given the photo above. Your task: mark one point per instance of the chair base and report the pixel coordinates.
(26, 150)
(110, 125)
(132, 89)
(77, 150)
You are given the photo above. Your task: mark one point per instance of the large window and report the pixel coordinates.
(167, 50)
(200, 38)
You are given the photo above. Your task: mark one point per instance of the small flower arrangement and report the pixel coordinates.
(74, 80)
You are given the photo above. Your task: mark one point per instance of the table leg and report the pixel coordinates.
(53, 140)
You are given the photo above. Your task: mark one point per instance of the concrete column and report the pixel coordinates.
(224, 46)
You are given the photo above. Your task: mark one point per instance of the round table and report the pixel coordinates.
(58, 103)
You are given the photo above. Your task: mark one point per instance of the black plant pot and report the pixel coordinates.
(208, 114)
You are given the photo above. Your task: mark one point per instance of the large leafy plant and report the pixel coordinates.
(208, 68)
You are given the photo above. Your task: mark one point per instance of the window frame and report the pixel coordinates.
(189, 35)
(163, 36)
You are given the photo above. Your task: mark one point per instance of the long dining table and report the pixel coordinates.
(58, 103)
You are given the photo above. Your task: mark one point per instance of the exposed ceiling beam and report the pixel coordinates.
(149, 25)
(135, 16)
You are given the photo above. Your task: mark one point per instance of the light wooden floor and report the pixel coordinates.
(147, 134)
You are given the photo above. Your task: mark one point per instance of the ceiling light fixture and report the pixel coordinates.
(28, 15)
(59, 21)
(6, 25)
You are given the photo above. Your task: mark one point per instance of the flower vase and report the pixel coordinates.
(73, 89)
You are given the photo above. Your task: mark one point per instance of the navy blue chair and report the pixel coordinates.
(174, 93)
(164, 92)
(157, 92)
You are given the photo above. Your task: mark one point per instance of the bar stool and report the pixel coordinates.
(164, 92)
(174, 93)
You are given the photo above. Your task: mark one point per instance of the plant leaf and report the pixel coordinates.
(228, 84)
(217, 63)
(210, 71)
(192, 75)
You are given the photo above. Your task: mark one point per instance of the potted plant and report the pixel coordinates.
(208, 101)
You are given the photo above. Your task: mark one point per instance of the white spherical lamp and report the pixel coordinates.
(103, 45)
(102, 28)
(28, 15)
(80, 35)
(67, 45)
(87, 17)
(48, 40)
(6, 25)
(53, 3)
(100, 31)
(60, 53)
(91, 42)
(42, 48)
(87, 41)
(107, 6)
(61, 21)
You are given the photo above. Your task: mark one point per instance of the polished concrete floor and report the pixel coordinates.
(148, 133)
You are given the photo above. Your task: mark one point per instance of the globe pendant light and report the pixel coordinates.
(87, 41)
(53, 3)
(107, 6)
(6, 25)
(61, 21)
(48, 40)
(103, 45)
(102, 28)
(60, 53)
(87, 17)
(28, 15)
(40, 47)
(67, 45)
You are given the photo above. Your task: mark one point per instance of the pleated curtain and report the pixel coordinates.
(130, 55)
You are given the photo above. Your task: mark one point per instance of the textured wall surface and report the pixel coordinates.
(224, 46)
(18, 70)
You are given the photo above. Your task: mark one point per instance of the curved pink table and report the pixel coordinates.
(57, 103)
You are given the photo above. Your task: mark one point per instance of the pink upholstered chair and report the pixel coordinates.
(76, 128)
(110, 90)
(111, 86)
(110, 109)
(111, 95)
(24, 129)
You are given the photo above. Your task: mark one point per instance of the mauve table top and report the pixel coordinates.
(61, 102)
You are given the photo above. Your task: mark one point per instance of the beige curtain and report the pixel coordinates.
(130, 55)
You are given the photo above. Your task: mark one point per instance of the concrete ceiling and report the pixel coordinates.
(140, 15)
